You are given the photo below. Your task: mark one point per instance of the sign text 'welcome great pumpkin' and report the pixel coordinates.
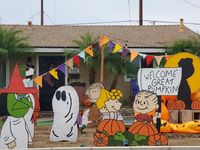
(162, 81)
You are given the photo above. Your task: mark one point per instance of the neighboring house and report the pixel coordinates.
(50, 43)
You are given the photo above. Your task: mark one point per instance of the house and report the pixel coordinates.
(50, 43)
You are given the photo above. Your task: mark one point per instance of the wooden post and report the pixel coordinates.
(42, 13)
(102, 65)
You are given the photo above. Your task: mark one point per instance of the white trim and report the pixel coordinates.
(51, 50)
(148, 50)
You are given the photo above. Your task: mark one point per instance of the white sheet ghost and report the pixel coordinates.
(65, 105)
(18, 132)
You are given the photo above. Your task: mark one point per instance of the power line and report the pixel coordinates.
(51, 20)
(194, 5)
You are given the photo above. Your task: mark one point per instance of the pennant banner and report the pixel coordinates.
(47, 78)
(54, 73)
(77, 60)
(38, 80)
(70, 63)
(143, 55)
(110, 46)
(117, 48)
(103, 40)
(89, 50)
(149, 59)
(125, 52)
(82, 55)
(158, 59)
(62, 68)
(134, 54)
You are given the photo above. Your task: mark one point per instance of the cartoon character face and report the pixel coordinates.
(113, 105)
(145, 102)
(18, 104)
(93, 92)
(64, 100)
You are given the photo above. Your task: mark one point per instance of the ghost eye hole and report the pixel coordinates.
(58, 95)
(63, 96)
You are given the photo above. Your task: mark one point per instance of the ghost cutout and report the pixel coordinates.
(65, 105)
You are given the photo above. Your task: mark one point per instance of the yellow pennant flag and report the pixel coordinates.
(54, 73)
(133, 55)
(158, 59)
(38, 80)
(70, 63)
(117, 48)
(89, 50)
(103, 40)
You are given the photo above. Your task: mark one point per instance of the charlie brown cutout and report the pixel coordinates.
(111, 128)
(143, 130)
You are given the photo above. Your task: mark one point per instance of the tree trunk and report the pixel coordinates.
(114, 82)
(92, 75)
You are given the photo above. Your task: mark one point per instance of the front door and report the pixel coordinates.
(50, 84)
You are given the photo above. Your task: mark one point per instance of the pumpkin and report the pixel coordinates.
(111, 126)
(179, 105)
(100, 139)
(164, 112)
(143, 128)
(196, 95)
(195, 105)
(157, 140)
(170, 105)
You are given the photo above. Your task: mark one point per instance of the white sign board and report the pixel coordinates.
(162, 81)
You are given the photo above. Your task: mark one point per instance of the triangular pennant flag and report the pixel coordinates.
(38, 80)
(103, 40)
(167, 57)
(133, 55)
(149, 59)
(110, 46)
(143, 55)
(125, 52)
(47, 78)
(62, 68)
(70, 63)
(54, 73)
(158, 59)
(96, 46)
(117, 48)
(89, 50)
(77, 60)
(82, 55)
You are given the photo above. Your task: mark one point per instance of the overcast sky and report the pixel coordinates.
(91, 11)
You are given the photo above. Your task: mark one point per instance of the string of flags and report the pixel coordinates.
(97, 45)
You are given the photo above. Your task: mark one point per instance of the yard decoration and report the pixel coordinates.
(158, 140)
(190, 81)
(112, 124)
(65, 105)
(195, 105)
(28, 82)
(17, 103)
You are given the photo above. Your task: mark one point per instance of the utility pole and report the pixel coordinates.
(42, 13)
(140, 12)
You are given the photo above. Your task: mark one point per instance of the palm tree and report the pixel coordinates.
(91, 62)
(186, 45)
(12, 43)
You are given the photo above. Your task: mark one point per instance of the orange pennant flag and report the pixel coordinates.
(117, 48)
(158, 59)
(133, 55)
(89, 50)
(38, 80)
(70, 63)
(54, 73)
(103, 40)
(167, 57)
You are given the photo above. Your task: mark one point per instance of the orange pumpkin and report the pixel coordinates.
(164, 112)
(100, 139)
(170, 105)
(179, 105)
(111, 126)
(158, 140)
(195, 105)
(143, 128)
(166, 98)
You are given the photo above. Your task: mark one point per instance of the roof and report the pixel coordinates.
(155, 36)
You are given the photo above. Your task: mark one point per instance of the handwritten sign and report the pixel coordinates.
(162, 81)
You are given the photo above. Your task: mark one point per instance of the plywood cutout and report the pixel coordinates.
(65, 105)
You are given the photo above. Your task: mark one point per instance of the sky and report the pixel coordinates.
(100, 12)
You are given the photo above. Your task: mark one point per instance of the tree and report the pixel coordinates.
(12, 43)
(91, 62)
(186, 45)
